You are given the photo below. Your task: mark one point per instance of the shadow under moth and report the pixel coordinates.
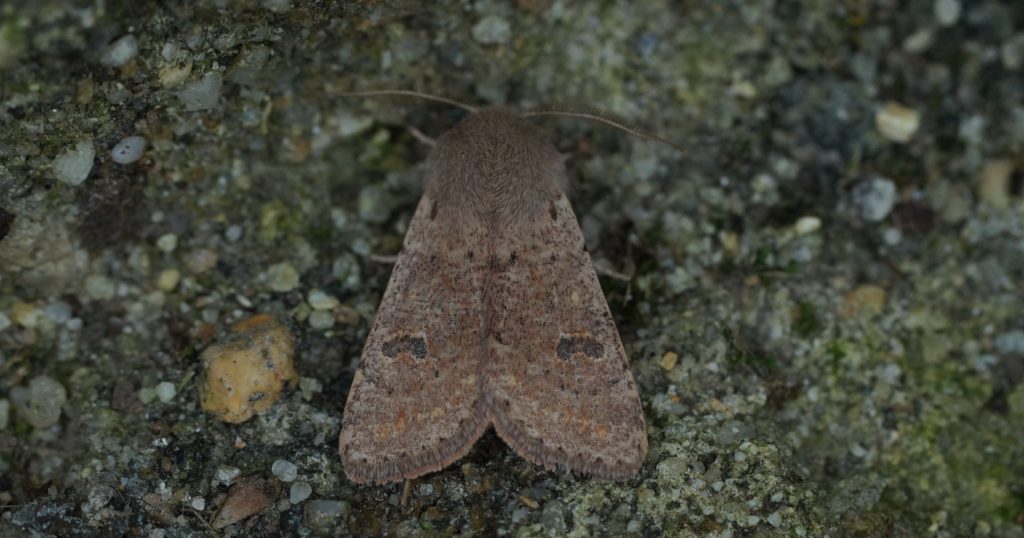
(493, 317)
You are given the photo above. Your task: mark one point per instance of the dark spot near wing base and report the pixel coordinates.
(413, 345)
(588, 345)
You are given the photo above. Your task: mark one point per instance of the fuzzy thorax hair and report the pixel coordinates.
(494, 164)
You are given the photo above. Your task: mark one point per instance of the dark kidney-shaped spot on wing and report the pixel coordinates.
(585, 344)
(411, 344)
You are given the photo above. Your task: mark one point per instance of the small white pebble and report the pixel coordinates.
(169, 51)
(807, 225)
(202, 94)
(897, 122)
(167, 243)
(233, 233)
(168, 279)
(99, 287)
(321, 320)
(284, 470)
(147, 394)
(227, 474)
(309, 386)
(875, 198)
(775, 519)
(128, 150)
(947, 12)
(120, 52)
(320, 300)
(165, 391)
(198, 503)
(299, 492)
(282, 277)
(58, 312)
(72, 167)
(892, 236)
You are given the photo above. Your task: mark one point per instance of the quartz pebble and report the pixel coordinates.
(45, 399)
(669, 360)
(299, 492)
(57, 311)
(896, 122)
(165, 391)
(282, 277)
(201, 260)
(245, 374)
(73, 166)
(167, 243)
(128, 150)
(227, 474)
(947, 12)
(202, 94)
(807, 225)
(168, 279)
(99, 287)
(120, 51)
(284, 470)
(319, 300)
(321, 320)
(875, 198)
(1011, 343)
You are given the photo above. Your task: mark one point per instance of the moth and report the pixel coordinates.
(493, 317)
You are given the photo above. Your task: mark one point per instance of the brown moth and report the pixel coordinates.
(493, 317)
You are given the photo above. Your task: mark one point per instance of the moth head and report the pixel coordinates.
(588, 113)
(499, 163)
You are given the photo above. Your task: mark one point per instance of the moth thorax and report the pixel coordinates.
(495, 163)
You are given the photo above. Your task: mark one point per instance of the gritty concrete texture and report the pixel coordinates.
(820, 296)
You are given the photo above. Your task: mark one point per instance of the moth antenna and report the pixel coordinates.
(603, 117)
(410, 93)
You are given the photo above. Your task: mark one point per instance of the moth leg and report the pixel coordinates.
(406, 490)
(418, 135)
(384, 259)
(604, 270)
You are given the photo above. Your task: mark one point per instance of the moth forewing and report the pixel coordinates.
(493, 316)
(414, 406)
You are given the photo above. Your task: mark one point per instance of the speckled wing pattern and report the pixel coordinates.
(555, 375)
(415, 406)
